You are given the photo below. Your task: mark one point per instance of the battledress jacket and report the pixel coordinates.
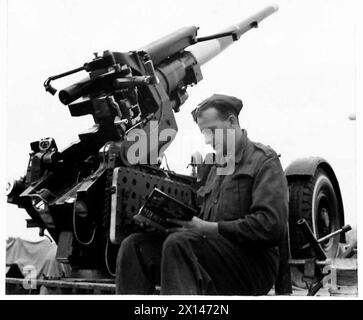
(251, 204)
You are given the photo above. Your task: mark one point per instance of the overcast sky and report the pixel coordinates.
(296, 75)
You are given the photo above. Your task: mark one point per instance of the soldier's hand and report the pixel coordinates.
(147, 227)
(194, 224)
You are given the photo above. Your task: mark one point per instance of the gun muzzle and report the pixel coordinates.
(207, 50)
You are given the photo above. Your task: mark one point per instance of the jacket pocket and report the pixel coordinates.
(235, 197)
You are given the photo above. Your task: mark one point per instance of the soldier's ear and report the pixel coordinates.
(233, 120)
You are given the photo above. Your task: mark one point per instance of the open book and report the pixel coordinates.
(159, 206)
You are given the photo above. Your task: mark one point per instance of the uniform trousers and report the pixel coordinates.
(192, 263)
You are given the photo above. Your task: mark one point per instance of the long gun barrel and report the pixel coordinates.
(202, 49)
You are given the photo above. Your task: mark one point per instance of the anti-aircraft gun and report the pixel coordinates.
(86, 195)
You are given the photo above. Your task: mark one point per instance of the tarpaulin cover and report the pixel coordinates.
(35, 257)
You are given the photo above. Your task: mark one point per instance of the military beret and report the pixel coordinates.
(218, 100)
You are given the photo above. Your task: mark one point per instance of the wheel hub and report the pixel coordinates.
(324, 217)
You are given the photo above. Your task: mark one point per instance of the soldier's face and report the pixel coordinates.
(214, 129)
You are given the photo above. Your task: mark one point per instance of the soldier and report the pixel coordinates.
(232, 246)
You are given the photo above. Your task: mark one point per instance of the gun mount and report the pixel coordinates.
(87, 194)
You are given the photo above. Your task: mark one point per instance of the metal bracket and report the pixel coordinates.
(310, 276)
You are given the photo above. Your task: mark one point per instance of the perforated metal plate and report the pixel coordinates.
(130, 189)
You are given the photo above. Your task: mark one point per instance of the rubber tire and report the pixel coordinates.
(308, 198)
